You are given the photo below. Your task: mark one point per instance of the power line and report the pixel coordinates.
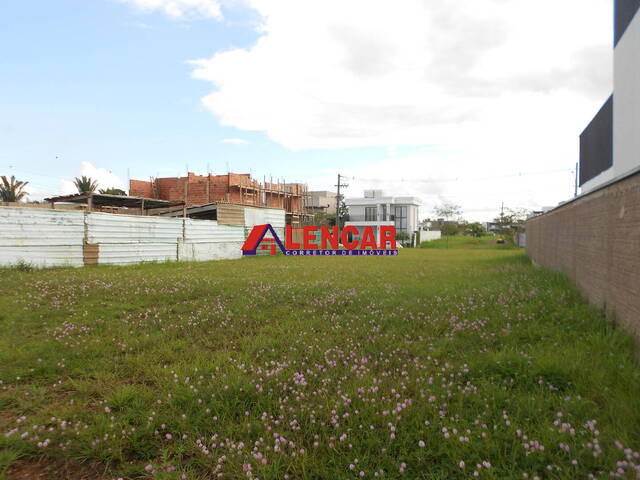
(458, 179)
(13, 169)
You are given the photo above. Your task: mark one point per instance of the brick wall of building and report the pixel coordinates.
(140, 188)
(595, 240)
(232, 188)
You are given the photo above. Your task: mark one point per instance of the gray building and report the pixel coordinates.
(321, 201)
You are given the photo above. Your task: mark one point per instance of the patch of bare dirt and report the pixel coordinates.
(48, 469)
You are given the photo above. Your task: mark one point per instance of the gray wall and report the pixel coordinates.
(596, 144)
(626, 100)
(624, 13)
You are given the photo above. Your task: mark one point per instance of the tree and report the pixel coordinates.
(343, 211)
(449, 211)
(512, 222)
(476, 229)
(85, 184)
(449, 229)
(112, 191)
(326, 219)
(12, 190)
(343, 214)
(402, 237)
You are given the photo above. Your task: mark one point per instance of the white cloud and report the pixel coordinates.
(365, 72)
(104, 177)
(180, 9)
(37, 193)
(494, 86)
(235, 141)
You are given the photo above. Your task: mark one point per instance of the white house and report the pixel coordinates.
(610, 145)
(375, 209)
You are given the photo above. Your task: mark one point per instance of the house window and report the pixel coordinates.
(401, 218)
(370, 214)
(384, 213)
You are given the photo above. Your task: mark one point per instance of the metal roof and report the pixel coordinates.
(106, 200)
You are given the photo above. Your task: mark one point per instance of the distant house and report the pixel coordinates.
(376, 209)
(492, 227)
(535, 213)
(321, 202)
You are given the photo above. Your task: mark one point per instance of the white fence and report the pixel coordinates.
(206, 240)
(108, 228)
(43, 237)
(428, 235)
(522, 239)
(261, 216)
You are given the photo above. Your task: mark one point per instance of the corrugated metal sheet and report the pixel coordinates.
(42, 255)
(208, 231)
(47, 238)
(230, 214)
(127, 253)
(40, 227)
(106, 228)
(209, 251)
(261, 216)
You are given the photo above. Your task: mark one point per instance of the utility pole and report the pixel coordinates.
(502, 220)
(338, 199)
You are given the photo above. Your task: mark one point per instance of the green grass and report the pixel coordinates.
(467, 242)
(209, 368)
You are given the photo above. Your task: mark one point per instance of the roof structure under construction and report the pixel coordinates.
(201, 190)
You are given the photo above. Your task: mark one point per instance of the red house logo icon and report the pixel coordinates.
(256, 240)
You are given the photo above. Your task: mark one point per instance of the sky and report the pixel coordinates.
(475, 102)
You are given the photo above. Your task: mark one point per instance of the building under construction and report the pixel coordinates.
(233, 188)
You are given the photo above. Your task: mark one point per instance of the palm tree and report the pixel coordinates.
(85, 184)
(112, 191)
(12, 190)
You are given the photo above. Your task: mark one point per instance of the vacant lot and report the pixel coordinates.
(435, 364)
(469, 243)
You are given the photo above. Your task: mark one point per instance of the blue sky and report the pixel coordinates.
(97, 81)
(310, 90)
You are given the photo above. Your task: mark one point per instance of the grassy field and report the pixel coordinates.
(435, 364)
(468, 242)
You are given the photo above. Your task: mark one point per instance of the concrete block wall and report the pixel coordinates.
(595, 240)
